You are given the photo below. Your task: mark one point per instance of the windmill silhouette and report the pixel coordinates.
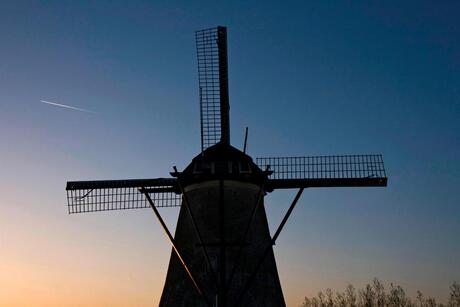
(222, 250)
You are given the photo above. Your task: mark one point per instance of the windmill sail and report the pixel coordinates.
(105, 195)
(324, 171)
(211, 46)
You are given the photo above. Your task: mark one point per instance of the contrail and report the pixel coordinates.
(66, 106)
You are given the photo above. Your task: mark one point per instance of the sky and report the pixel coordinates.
(306, 77)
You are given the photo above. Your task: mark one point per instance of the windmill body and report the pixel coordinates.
(222, 249)
(225, 192)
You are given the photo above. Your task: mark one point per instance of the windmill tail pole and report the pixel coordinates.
(198, 287)
(288, 213)
(267, 249)
(245, 140)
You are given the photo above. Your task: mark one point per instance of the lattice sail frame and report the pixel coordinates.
(211, 46)
(107, 195)
(325, 171)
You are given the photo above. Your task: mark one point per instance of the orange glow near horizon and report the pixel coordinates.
(34, 284)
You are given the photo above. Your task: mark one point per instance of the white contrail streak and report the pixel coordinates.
(66, 106)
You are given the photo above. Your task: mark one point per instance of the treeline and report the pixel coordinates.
(375, 295)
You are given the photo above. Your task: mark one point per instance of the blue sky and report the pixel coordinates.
(308, 78)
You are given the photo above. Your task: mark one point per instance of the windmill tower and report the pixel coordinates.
(222, 250)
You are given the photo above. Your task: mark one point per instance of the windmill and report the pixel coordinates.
(222, 250)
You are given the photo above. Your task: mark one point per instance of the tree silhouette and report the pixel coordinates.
(374, 295)
(454, 300)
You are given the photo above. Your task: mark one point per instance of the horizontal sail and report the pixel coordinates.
(105, 195)
(324, 171)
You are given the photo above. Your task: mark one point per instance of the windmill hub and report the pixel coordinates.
(222, 162)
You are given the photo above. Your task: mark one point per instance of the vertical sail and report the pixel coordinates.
(211, 45)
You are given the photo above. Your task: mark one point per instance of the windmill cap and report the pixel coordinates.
(222, 161)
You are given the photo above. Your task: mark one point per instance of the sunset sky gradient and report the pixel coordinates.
(308, 78)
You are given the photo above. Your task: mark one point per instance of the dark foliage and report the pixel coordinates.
(375, 295)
